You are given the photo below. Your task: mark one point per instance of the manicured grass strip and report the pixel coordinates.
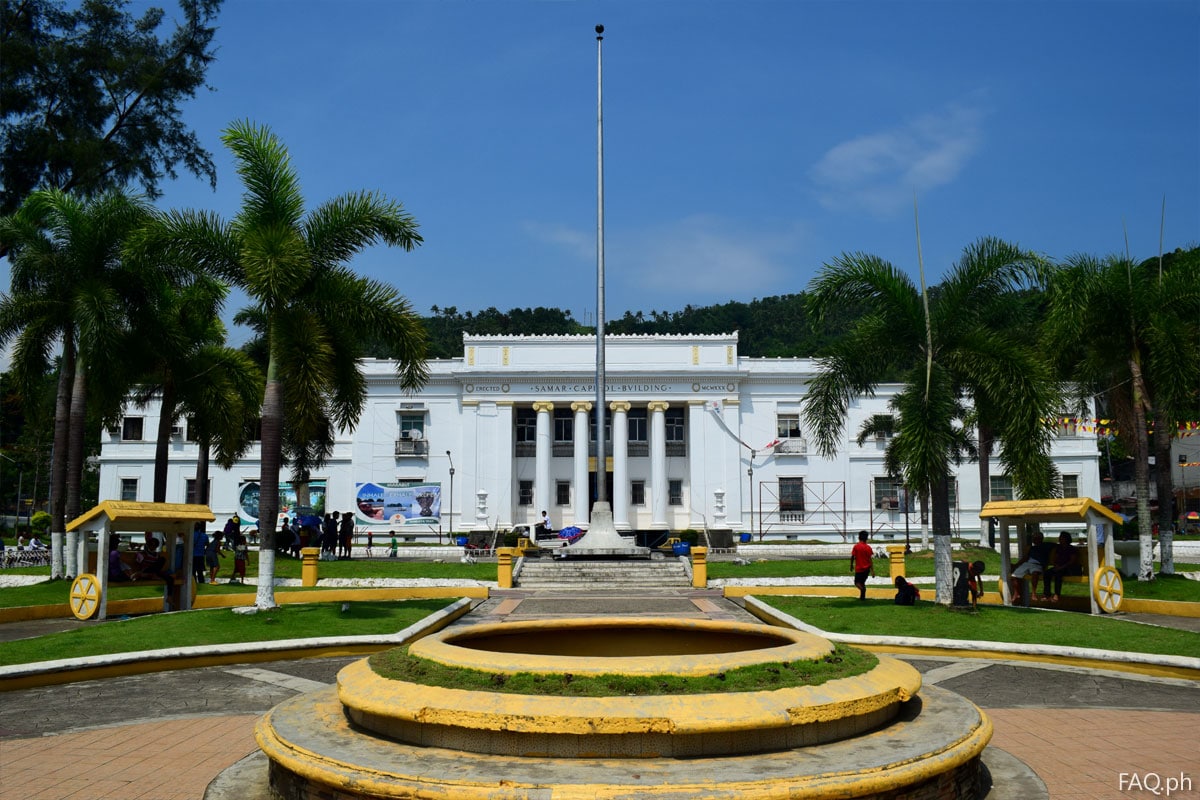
(221, 626)
(844, 662)
(989, 624)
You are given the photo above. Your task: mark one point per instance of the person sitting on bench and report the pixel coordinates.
(152, 565)
(1032, 565)
(1065, 561)
(117, 570)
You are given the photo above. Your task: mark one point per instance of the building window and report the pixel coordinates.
(131, 429)
(564, 425)
(637, 425)
(675, 425)
(791, 499)
(409, 423)
(525, 493)
(1070, 485)
(787, 426)
(1001, 488)
(562, 493)
(888, 492)
(637, 493)
(129, 488)
(526, 422)
(675, 493)
(190, 495)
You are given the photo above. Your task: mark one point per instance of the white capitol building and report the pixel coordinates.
(700, 438)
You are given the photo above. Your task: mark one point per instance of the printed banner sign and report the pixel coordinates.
(392, 504)
(248, 496)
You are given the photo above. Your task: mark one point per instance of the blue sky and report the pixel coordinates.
(746, 142)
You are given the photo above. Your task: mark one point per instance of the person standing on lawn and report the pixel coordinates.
(862, 564)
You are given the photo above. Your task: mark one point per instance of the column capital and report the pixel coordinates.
(543, 405)
(657, 405)
(620, 406)
(581, 405)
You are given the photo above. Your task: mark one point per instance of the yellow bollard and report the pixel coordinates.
(699, 567)
(308, 565)
(504, 559)
(896, 561)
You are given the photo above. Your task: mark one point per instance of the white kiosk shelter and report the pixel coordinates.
(1105, 589)
(89, 592)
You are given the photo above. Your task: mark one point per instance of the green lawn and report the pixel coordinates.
(221, 626)
(989, 624)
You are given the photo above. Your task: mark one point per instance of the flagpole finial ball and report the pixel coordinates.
(599, 29)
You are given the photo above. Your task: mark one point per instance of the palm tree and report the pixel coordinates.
(945, 350)
(178, 350)
(1122, 331)
(291, 264)
(70, 288)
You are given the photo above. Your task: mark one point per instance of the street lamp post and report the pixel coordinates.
(750, 474)
(450, 512)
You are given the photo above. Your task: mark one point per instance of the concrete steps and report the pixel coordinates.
(592, 575)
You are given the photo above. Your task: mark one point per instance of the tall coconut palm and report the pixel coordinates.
(70, 288)
(1118, 329)
(946, 351)
(292, 265)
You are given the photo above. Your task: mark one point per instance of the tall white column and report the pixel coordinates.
(620, 493)
(658, 464)
(582, 501)
(701, 513)
(541, 471)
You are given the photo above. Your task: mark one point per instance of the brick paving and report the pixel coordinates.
(1080, 753)
(162, 760)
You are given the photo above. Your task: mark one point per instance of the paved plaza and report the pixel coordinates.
(1089, 734)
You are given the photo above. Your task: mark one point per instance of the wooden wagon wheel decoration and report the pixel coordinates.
(1108, 589)
(85, 596)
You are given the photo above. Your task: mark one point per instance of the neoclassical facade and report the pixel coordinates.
(696, 437)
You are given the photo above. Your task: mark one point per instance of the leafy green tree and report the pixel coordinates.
(946, 351)
(1121, 330)
(292, 265)
(70, 288)
(90, 97)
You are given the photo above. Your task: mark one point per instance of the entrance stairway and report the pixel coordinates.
(602, 575)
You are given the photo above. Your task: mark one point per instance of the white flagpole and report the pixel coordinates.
(601, 459)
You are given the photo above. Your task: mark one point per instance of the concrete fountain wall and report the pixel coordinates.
(875, 735)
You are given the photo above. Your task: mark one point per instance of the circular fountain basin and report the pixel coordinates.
(643, 726)
(865, 736)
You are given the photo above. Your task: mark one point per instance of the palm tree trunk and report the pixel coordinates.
(1166, 494)
(1141, 470)
(58, 461)
(268, 495)
(162, 443)
(986, 436)
(202, 470)
(943, 570)
(78, 419)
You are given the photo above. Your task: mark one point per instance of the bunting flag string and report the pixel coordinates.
(1106, 427)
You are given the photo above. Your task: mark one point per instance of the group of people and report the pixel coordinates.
(862, 564)
(1051, 562)
(1045, 561)
(335, 535)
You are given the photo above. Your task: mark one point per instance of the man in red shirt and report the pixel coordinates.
(862, 564)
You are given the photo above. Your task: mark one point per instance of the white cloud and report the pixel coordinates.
(880, 171)
(700, 259)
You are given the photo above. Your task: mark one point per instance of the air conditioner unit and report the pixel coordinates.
(405, 434)
(176, 431)
(880, 436)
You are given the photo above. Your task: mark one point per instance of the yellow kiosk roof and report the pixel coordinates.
(1055, 509)
(124, 515)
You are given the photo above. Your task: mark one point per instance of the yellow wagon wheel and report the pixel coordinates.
(1108, 589)
(85, 596)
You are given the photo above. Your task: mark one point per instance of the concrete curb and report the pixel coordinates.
(1182, 664)
(9, 675)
